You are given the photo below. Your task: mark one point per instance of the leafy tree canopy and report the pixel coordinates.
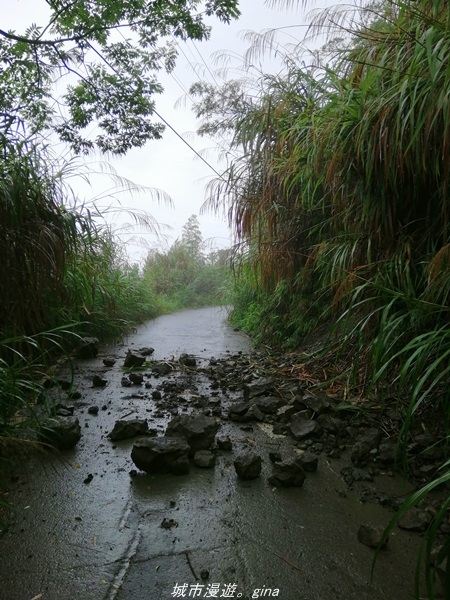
(110, 51)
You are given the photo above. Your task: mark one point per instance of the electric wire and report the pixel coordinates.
(158, 114)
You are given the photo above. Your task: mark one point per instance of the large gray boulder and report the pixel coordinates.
(199, 431)
(60, 432)
(161, 455)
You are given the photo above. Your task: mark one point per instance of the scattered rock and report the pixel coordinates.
(126, 429)
(133, 359)
(88, 479)
(224, 442)
(109, 361)
(287, 473)
(275, 456)
(62, 410)
(136, 378)
(237, 411)
(64, 384)
(248, 465)
(330, 423)
(93, 410)
(259, 387)
(365, 442)
(198, 430)
(320, 403)
(187, 360)
(156, 395)
(98, 381)
(253, 414)
(280, 429)
(125, 382)
(308, 461)
(371, 535)
(168, 523)
(303, 430)
(388, 452)
(146, 351)
(415, 520)
(161, 455)
(88, 348)
(204, 459)
(268, 404)
(161, 369)
(61, 432)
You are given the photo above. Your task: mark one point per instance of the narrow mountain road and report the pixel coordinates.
(87, 529)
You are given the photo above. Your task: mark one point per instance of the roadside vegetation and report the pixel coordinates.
(338, 193)
(69, 84)
(187, 275)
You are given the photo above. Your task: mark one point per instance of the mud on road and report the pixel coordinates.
(89, 526)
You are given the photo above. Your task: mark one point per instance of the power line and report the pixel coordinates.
(204, 62)
(162, 118)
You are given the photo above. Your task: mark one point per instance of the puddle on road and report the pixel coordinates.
(104, 540)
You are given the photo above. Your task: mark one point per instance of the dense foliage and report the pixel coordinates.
(91, 69)
(339, 194)
(340, 204)
(108, 55)
(185, 276)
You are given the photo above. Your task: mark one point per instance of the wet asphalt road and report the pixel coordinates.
(229, 539)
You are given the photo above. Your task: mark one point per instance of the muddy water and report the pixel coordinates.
(103, 540)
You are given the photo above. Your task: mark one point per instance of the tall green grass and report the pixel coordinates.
(338, 184)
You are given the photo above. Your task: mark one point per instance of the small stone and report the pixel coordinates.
(61, 432)
(248, 465)
(133, 359)
(109, 362)
(204, 574)
(126, 429)
(371, 535)
(168, 523)
(161, 455)
(125, 382)
(93, 410)
(204, 459)
(415, 520)
(88, 348)
(136, 378)
(89, 478)
(279, 429)
(224, 442)
(198, 430)
(365, 442)
(302, 430)
(275, 456)
(308, 461)
(146, 351)
(156, 395)
(187, 360)
(288, 473)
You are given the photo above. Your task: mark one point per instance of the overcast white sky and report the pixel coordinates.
(169, 164)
